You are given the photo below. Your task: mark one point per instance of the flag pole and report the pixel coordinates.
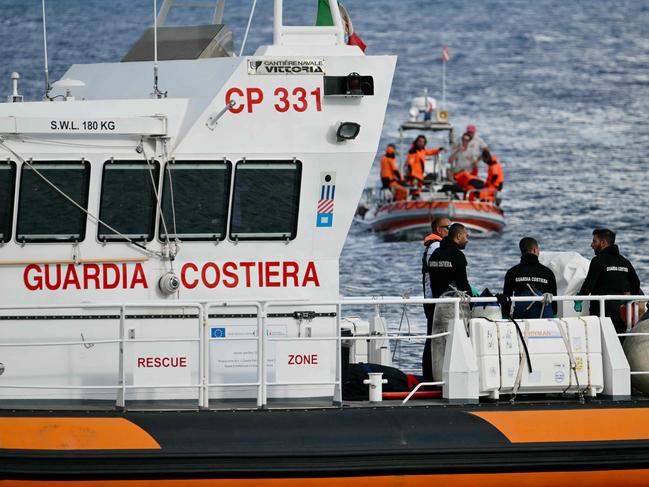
(444, 61)
(444, 84)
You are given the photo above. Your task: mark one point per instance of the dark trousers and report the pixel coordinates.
(611, 310)
(427, 356)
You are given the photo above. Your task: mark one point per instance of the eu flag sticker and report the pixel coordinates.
(218, 332)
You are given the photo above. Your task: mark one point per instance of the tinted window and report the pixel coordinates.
(128, 200)
(7, 180)
(195, 200)
(266, 200)
(44, 214)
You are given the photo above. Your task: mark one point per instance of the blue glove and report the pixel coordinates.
(474, 292)
(578, 305)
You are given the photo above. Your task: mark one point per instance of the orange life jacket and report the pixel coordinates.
(463, 179)
(495, 175)
(400, 193)
(432, 237)
(389, 168)
(415, 163)
(488, 194)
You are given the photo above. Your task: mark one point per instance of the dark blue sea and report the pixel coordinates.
(559, 91)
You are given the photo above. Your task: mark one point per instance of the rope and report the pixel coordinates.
(519, 375)
(500, 355)
(547, 299)
(172, 254)
(87, 212)
(590, 380)
(44, 141)
(565, 334)
(173, 204)
(404, 314)
(505, 303)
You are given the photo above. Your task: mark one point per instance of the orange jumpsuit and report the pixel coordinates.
(467, 181)
(495, 175)
(390, 176)
(495, 180)
(389, 168)
(415, 165)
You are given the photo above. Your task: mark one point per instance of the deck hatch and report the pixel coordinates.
(44, 215)
(266, 199)
(7, 185)
(195, 199)
(128, 200)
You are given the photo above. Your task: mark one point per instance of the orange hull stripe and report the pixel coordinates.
(570, 425)
(605, 478)
(73, 434)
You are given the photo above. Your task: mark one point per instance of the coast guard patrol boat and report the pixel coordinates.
(170, 233)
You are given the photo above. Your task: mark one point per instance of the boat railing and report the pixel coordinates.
(295, 35)
(202, 337)
(122, 339)
(476, 195)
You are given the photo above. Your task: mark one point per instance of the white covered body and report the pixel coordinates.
(570, 270)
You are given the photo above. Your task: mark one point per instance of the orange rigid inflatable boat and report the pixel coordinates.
(482, 218)
(387, 212)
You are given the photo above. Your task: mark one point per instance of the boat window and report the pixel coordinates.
(128, 200)
(7, 181)
(195, 200)
(266, 200)
(44, 213)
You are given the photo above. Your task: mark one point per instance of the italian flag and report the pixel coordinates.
(324, 19)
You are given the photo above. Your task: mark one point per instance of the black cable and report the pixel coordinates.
(505, 303)
(527, 352)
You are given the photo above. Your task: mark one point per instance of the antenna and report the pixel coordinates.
(245, 37)
(47, 74)
(156, 92)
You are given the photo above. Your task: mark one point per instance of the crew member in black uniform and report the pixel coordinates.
(439, 229)
(447, 271)
(608, 273)
(448, 264)
(529, 278)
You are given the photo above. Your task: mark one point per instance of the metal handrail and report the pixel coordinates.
(261, 350)
(262, 307)
(279, 29)
(123, 339)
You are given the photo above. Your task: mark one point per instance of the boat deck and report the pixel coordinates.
(522, 400)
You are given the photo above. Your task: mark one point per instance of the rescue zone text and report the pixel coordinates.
(54, 277)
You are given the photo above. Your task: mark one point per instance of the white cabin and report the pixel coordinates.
(130, 221)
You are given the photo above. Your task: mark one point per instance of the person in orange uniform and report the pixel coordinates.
(390, 174)
(495, 177)
(415, 163)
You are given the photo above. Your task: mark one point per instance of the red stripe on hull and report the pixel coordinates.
(603, 478)
(412, 215)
